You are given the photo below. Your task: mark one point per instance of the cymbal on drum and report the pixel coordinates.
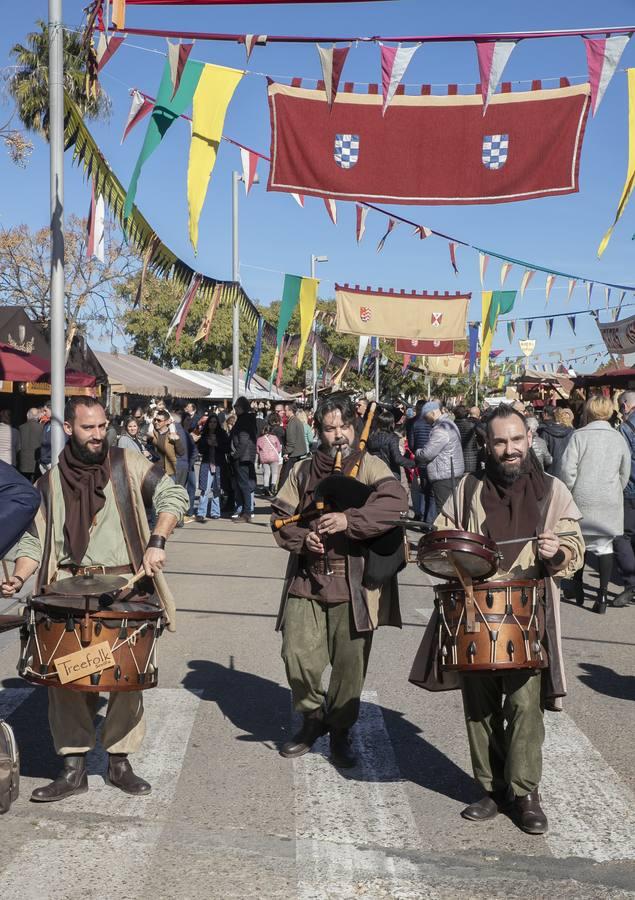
(87, 585)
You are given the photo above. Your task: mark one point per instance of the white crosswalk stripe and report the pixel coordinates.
(124, 829)
(341, 817)
(590, 809)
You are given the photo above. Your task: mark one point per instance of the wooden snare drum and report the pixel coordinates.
(440, 552)
(57, 626)
(509, 619)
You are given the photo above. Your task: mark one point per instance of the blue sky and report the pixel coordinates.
(275, 234)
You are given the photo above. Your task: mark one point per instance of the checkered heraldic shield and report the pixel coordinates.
(346, 151)
(495, 150)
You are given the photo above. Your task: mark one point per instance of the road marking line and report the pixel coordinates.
(590, 809)
(342, 816)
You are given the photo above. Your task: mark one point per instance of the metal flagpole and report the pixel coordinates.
(236, 277)
(56, 139)
(377, 355)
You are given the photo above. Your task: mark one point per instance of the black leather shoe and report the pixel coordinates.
(529, 814)
(120, 775)
(623, 599)
(313, 727)
(73, 780)
(342, 755)
(487, 807)
(600, 604)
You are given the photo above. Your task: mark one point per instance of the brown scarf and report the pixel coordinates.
(83, 489)
(512, 511)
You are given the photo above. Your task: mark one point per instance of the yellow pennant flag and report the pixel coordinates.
(213, 94)
(487, 333)
(308, 300)
(630, 175)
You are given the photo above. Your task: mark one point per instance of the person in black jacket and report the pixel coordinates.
(384, 443)
(556, 431)
(243, 452)
(19, 502)
(470, 445)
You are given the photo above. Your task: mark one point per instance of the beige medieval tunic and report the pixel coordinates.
(559, 514)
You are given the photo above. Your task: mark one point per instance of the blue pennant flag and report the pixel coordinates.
(255, 356)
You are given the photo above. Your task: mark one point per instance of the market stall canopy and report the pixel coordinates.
(624, 378)
(18, 366)
(131, 375)
(219, 386)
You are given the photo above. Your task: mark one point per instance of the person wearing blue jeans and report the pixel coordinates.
(209, 487)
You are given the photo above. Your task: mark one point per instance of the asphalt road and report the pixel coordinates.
(229, 818)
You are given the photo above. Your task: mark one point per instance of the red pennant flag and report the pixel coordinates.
(332, 60)
(391, 225)
(452, 246)
(106, 49)
(177, 57)
(139, 109)
(250, 163)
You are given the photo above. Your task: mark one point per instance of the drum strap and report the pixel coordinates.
(125, 506)
(44, 487)
(469, 490)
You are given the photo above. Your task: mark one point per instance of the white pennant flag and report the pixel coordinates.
(603, 56)
(251, 40)
(394, 62)
(361, 351)
(249, 162)
(483, 260)
(331, 208)
(572, 284)
(527, 276)
(139, 109)
(505, 270)
(362, 212)
(492, 59)
(299, 199)
(96, 230)
(548, 285)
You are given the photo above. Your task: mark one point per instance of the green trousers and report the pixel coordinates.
(315, 634)
(505, 729)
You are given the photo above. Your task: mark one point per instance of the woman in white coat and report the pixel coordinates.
(596, 467)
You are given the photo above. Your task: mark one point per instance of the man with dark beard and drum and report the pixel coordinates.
(92, 520)
(504, 709)
(327, 614)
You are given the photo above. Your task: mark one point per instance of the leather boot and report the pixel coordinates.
(529, 814)
(487, 807)
(342, 755)
(72, 780)
(313, 727)
(601, 603)
(120, 775)
(578, 589)
(624, 598)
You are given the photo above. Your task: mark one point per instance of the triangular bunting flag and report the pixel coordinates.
(95, 243)
(603, 56)
(452, 245)
(178, 320)
(253, 40)
(528, 326)
(140, 106)
(548, 285)
(361, 213)
(249, 162)
(106, 49)
(332, 60)
(571, 288)
(483, 260)
(528, 274)
(492, 59)
(299, 199)
(549, 326)
(119, 14)
(177, 58)
(511, 331)
(212, 97)
(629, 184)
(308, 301)
(589, 291)
(256, 353)
(391, 225)
(571, 321)
(331, 208)
(607, 294)
(394, 62)
(361, 350)
(505, 270)
(422, 232)
(205, 327)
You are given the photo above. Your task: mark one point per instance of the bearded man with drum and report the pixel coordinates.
(504, 710)
(92, 519)
(328, 614)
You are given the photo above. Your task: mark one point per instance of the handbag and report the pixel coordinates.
(9, 767)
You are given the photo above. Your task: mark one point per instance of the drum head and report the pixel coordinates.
(438, 563)
(76, 606)
(441, 552)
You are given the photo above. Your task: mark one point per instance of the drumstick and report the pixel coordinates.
(133, 580)
(535, 538)
(5, 569)
(455, 503)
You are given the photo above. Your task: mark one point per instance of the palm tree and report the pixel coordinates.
(29, 86)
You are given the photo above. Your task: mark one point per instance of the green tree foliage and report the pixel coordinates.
(29, 86)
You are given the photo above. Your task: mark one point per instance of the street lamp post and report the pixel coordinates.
(314, 260)
(56, 138)
(236, 179)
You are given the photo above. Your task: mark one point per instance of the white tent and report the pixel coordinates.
(220, 386)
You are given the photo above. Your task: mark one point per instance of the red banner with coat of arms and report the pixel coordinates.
(427, 148)
(397, 314)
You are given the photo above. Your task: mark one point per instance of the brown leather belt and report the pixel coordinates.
(337, 567)
(96, 570)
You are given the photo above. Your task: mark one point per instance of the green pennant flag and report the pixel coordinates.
(166, 110)
(502, 303)
(290, 299)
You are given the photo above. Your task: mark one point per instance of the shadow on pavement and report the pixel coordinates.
(606, 681)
